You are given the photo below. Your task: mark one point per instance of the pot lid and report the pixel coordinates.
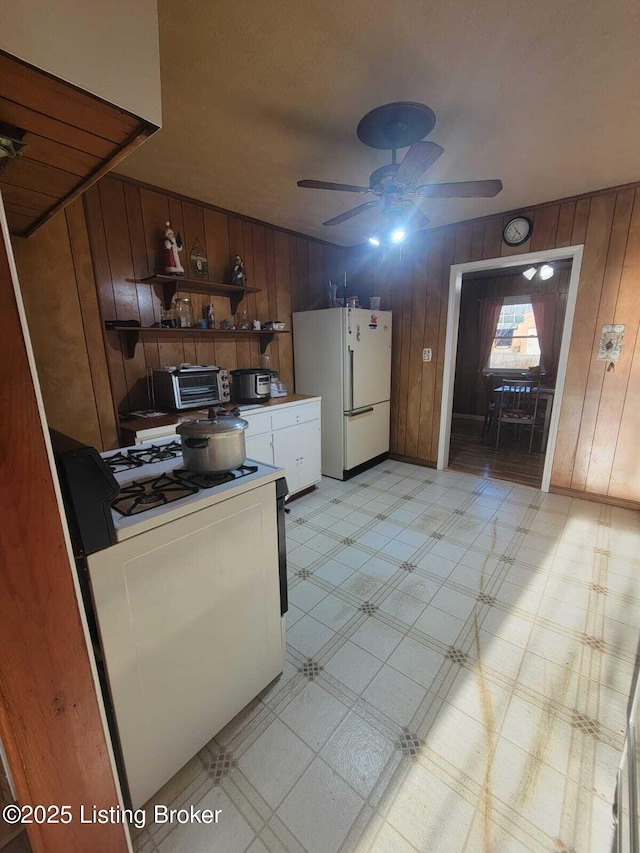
(211, 426)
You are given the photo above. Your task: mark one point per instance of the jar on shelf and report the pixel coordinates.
(184, 312)
(242, 320)
(169, 318)
(265, 362)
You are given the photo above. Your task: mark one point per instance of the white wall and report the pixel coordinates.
(108, 47)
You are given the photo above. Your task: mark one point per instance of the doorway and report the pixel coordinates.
(502, 304)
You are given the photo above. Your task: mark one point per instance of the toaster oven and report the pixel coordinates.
(190, 386)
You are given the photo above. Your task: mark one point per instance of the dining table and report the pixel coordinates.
(545, 393)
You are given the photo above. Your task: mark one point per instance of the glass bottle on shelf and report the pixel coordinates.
(184, 312)
(211, 316)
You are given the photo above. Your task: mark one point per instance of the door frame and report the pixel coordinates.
(574, 253)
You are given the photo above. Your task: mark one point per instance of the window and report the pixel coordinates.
(515, 346)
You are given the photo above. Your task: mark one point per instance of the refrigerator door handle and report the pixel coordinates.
(351, 375)
(355, 412)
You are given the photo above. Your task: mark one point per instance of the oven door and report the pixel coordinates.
(197, 390)
(190, 630)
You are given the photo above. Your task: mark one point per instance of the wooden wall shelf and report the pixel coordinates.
(132, 334)
(172, 284)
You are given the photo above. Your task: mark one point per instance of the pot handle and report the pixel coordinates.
(196, 443)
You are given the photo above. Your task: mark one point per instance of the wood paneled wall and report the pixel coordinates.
(59, 292)
(50, 717)
(125, 222)
(468, 399)
(121, 220)
(596, 451)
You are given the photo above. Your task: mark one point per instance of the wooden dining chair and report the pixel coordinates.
(490, 384)
(518, 405)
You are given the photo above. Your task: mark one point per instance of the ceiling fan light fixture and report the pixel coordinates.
(373, 240)
(529, 274)
(546, 271)
(398, 235)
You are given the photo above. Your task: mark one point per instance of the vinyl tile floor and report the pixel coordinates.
(460, 657)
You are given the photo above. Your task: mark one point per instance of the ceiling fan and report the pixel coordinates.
(394, 126)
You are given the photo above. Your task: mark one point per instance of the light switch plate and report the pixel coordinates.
(426, 354)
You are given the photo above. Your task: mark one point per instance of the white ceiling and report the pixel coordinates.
(256, 95)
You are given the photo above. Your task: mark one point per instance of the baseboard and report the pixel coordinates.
(412, 460)
(590, 496)
(359, 469)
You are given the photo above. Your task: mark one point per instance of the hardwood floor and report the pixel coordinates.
(475, 455)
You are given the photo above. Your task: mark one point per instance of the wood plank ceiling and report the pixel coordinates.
(70, 139)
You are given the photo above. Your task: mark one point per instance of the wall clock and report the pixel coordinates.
(517, 231)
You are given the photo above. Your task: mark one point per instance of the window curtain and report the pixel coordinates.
(488, 317)
(544, 311)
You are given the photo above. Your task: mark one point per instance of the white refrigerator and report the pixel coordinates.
(344, 356)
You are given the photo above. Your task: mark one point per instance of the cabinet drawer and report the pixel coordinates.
(295, 415)
(154, 433)
(258, 424)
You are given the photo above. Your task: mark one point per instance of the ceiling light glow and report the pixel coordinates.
(374, 241)
(398, 235)
(546, 271)
(529, 273)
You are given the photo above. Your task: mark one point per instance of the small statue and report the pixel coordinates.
(238, 274)
(172, 246)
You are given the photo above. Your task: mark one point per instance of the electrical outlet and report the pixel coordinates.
(426, 354)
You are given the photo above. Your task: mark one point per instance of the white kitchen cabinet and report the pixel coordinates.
(287, 436)
(297, 450)
(260, 448)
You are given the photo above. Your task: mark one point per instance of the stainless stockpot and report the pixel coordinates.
(213, 445)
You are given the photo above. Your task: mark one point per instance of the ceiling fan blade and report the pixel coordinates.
(460, 189)
(417, 160)
(349, 214)
(327, 185)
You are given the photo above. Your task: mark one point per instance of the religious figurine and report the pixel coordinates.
(238, 274)
(172, 246)
(198, 260)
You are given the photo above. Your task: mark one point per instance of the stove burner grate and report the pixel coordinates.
(208, 481)
(136, 457)
(122, 462)
(156, 453)
(141, 495)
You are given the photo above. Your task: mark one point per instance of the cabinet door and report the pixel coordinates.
(286, 453)
(297, 450)
(308, 443)
(259, 448)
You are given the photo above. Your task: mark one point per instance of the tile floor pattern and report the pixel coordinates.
(460, 653)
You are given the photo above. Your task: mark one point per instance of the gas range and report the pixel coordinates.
(185, 582)
(156, 488)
